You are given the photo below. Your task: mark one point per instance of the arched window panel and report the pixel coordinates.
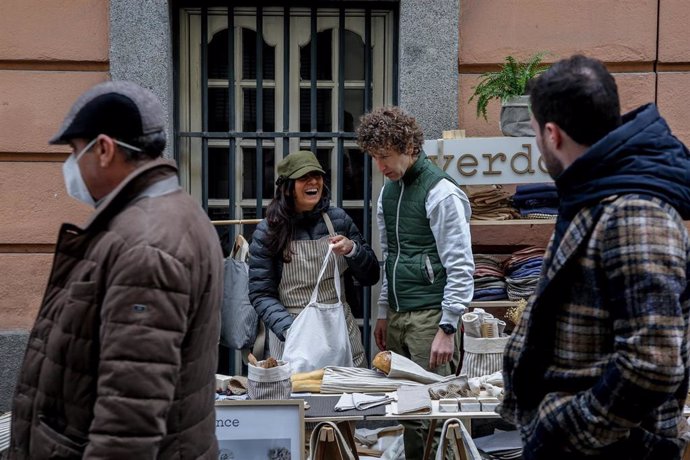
(218, 167)
(217, 64)
(324, 114)
(324, 57)
(218, 110)
(353, 174)
(354, 56)
(249, 109)
(353, 108)
(250, 174)
(249, 57)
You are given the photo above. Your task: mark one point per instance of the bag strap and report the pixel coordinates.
(336, 275)
(259, 347)
(329, 224)
(241, 249)
(345, 452)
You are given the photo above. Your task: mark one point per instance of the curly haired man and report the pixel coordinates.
(423, 218)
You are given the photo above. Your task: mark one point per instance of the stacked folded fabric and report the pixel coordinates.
(489, 279)
(536, 201)
(502, 445)
(490, 202)
(522, 270)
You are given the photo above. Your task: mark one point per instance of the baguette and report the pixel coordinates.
(312, 375)
(382, 362)
(302, 386)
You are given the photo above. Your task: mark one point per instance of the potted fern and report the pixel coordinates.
(508, 85)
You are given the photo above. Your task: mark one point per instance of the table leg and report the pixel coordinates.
(347, 428)
(429, 439)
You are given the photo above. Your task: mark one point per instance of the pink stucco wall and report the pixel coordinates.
(50, 52)
(625, 34)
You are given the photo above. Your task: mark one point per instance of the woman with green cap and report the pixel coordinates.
(290, 244)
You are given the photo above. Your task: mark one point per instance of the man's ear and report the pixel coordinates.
(553, 134)
(106, 150)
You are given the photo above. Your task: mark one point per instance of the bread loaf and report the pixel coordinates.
(306, 386)
(311, 375)
(382, 361)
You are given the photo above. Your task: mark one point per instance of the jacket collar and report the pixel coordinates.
(416, 169)
(134, 184)
(578, 231)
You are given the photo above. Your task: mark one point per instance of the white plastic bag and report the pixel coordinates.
(318, 337)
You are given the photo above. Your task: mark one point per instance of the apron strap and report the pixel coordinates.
(329, 224)
(336, 275)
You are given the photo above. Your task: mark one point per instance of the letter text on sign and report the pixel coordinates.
(490, 160)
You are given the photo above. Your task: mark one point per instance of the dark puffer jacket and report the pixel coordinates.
(265, 270)
(121, 359)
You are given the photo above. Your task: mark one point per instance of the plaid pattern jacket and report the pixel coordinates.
(598, 366)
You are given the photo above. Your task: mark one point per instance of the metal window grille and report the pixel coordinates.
(256, 82)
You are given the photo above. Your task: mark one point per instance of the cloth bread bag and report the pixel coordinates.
(483, 356)
(271, 383)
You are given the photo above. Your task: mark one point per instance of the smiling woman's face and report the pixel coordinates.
(308, 191)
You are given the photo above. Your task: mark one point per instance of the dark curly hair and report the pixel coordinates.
(389, 127)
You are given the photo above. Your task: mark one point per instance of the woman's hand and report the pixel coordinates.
(342, 245)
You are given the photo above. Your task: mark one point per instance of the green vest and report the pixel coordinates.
(416, 278)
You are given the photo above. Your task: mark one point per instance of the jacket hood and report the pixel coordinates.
(641, 156)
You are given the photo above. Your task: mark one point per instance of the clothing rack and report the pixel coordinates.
(236, 222)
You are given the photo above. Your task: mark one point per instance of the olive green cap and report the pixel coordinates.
(298, 164)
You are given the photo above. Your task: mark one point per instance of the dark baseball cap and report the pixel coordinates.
(297, 164)
(119, 109)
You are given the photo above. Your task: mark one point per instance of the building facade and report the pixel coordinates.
(300, 75)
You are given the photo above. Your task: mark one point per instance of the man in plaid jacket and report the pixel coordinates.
(598, 366)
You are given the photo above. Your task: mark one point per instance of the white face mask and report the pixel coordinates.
(74, 183)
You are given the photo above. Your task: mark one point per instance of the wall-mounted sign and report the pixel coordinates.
(489, 160)
(260, 429)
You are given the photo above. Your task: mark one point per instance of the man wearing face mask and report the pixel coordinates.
(121, 359)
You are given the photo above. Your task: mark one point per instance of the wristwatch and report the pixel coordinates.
(448, 328)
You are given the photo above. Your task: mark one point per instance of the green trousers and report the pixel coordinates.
(411, 334)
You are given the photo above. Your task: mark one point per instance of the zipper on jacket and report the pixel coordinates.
(397, 239)
(429, 269)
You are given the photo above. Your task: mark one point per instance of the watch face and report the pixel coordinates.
(447, 328)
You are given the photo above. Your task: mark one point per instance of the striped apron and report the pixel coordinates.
(298, 281)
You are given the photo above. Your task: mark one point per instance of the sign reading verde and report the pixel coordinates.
(489, 160)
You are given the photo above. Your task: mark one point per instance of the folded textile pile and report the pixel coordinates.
(361, 401)
(413, 400)
(536, 201)
(490, 202)
(489, 279)
(522, 270)
(487, 385)
(503, 445)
